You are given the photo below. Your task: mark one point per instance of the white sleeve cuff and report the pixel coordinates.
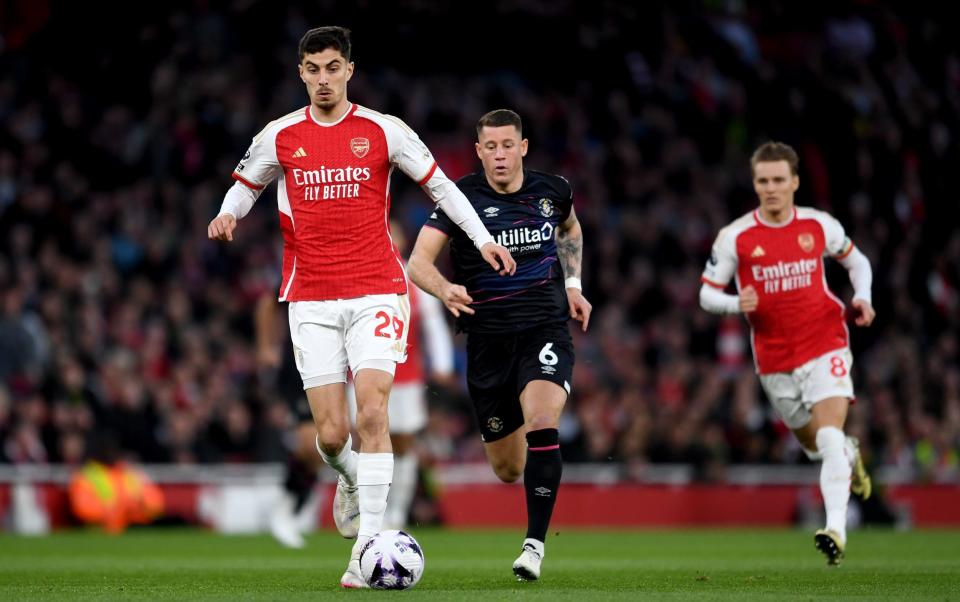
(716, 301)
(239, 200)
(861, 274)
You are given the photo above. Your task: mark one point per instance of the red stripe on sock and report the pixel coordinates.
(547, 448)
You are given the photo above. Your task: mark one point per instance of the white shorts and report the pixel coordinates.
(793, 394)
(331, 336)
(407, 408)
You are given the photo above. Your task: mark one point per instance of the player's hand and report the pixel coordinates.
(749, 299)
(222, 227)
(580, 308)
(456, 299)
(863, 311)
(499, 258)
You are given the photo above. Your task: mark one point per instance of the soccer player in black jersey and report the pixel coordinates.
(519, 351)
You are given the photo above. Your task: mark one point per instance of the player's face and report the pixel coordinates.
(326, 74)
(775, 186)
(502, 151)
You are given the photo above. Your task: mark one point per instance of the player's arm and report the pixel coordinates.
(570, 254)
(455, 204)
(424, 273)
(258, 168)
(236, 203)
(861, 277)
(716, 276)
(413, 157)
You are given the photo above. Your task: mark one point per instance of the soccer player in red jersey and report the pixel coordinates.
(342, 277)
(798, 332)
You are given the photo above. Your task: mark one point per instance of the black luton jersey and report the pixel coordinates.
(525, 222)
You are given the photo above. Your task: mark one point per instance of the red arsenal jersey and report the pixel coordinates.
(798, 318)
(333, 194)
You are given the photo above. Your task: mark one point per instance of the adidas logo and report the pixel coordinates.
(300, 153)
(758, 252)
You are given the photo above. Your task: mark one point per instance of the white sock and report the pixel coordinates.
(345, 462)
(401, 490)
(374, 472)
(834, 478)
(537, 545)
(813, 456)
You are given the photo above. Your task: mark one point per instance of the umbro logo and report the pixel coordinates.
(491, 211)
(758, 252)
(542, 491)
(300, 153)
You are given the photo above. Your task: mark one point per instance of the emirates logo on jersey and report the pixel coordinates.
(360, 147)
(805, 241)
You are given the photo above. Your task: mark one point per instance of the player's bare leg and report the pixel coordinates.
(375, 464)
(825, 429)
(328, 404)
(542, 402)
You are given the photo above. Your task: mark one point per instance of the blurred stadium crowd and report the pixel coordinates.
(117, 139)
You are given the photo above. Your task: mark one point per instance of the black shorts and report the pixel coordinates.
(499, 366)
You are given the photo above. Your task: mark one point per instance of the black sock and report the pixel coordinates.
(541, 480)
(299, 481)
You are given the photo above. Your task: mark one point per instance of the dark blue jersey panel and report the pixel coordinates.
(526, 223)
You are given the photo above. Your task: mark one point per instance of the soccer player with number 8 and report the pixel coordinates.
(798, 331)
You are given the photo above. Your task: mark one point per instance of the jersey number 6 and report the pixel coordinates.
(547, 356)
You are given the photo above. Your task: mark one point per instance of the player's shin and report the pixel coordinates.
(541, 480)
(834, 478)
(374, 474)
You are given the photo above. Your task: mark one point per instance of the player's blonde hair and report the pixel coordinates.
(770, 152)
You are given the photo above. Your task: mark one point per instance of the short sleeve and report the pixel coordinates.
(722, 264)
(566, 198)
(836, 241)
(259, 165)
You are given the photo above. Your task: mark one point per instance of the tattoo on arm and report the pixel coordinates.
(570, 251)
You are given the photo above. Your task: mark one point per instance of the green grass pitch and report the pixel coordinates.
(734, 564)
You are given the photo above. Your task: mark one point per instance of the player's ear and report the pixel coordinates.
(349, 70)
(479, 148)
(300, 72)
(795, 183)
(523, 147)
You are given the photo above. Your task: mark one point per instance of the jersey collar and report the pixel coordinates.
(763, 222)
(349, 112)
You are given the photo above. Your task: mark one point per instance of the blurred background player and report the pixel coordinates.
(799, 333)
(519, 351)
(429, 348)
(342, 277)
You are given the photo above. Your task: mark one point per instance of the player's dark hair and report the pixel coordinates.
(500, 118)
(321, 38)
(769, 152)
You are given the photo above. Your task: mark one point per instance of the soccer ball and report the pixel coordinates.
(391, 560)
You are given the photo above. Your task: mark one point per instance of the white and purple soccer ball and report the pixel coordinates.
(391, 560)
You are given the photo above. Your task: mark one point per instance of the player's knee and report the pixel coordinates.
(332, 436)
(507, 471)
(372, 420)
(541, 421)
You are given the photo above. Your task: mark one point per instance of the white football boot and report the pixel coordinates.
(527, 566)
(352, 577)
(346, 510)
